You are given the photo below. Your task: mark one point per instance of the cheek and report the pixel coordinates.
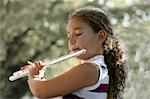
(88, 40)
(85, 43)
(82, 42)
(89, 43)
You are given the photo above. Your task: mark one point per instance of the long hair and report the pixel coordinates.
(114, 51)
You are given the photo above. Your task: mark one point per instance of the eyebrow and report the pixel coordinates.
(78, 28)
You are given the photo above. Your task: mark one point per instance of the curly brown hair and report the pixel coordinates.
(114, 51)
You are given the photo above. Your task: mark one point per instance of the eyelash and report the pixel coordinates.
(78, 34)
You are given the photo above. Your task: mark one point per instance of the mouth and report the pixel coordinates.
(76, 49)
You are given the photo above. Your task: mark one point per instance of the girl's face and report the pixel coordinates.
(82, 36)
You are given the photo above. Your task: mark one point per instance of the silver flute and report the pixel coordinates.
(22, 73)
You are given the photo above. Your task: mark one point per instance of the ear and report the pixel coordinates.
(102, 35)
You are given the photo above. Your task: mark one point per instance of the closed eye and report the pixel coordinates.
(78, 34)
(75, 35)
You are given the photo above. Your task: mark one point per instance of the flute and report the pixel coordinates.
(22, 73)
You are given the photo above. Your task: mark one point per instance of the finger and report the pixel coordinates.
(31, 63)
(25, 67)
(39, 65)
(36, 63)
(34, 71)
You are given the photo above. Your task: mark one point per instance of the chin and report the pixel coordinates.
(82, 57)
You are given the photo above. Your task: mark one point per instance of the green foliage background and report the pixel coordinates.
(35, 29)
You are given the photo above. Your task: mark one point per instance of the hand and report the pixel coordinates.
(34, 68)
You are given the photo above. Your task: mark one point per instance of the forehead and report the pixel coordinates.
(76, 24)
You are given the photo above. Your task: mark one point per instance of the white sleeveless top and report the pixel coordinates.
(99, 90)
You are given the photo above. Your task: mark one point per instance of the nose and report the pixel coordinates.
(72, 44)
(72, 41)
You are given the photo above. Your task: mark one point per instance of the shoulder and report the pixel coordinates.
(87, 68)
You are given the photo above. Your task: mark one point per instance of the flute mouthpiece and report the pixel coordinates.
(84, 51)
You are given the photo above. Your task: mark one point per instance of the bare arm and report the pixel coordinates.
(81, 76)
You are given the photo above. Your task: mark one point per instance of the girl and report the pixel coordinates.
(102, 75)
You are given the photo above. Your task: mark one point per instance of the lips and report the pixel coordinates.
(76, 49)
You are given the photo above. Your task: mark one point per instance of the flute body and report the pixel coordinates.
(23, 73)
